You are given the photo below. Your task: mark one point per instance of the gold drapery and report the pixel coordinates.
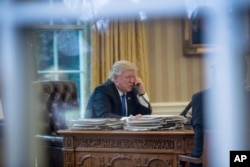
(119, 40)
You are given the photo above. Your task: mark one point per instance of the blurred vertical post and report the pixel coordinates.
(227, 116)
(18, 144)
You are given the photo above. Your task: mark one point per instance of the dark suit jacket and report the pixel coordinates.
(105, 102)
(198, 123)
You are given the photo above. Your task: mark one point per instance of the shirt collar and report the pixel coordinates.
(120, 92)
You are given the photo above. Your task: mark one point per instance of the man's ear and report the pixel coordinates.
(115, 78)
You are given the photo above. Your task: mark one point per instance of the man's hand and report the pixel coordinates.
(140, 86)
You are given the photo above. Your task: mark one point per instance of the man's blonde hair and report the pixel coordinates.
(120, 66)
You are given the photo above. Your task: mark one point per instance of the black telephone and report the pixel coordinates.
(136, 87)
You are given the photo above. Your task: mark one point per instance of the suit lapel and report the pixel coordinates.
(116, 98)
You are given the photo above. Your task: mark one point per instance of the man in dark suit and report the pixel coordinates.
(198, 124)
(106, 100)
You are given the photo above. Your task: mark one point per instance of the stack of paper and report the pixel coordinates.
(154, 122)
(95, 124)
(143, 123)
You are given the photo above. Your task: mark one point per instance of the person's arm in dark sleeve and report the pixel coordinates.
(102, 105)
(197, 123)
(144, 105)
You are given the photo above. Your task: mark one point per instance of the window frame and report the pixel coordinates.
(84, 60)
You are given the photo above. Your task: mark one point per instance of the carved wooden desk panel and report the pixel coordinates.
(120, 148)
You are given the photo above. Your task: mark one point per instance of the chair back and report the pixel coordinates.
(56, 103)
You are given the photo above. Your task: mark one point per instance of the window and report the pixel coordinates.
(62, 53)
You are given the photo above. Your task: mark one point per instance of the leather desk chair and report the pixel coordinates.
(185, 160)
(56, 103)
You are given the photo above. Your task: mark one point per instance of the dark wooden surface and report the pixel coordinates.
(125, 148)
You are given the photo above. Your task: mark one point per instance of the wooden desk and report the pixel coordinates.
(120, 148)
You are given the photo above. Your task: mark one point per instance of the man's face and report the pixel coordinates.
(125, 81)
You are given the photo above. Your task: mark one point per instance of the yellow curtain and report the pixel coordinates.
(119, 40)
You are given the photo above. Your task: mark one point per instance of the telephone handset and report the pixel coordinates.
(136, 87)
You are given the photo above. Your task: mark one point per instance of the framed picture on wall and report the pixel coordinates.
(192, 42)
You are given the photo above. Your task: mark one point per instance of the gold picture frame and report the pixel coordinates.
(189, 47)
